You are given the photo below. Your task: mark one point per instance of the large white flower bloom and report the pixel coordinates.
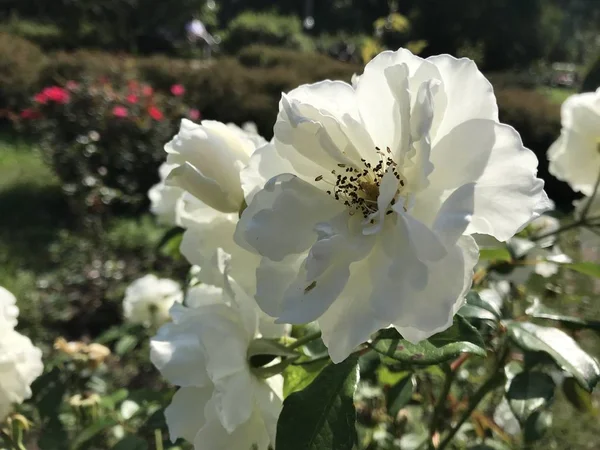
(8, 307)
(386, 182)
(20, 365)
(209, 158)
(575, 156)
(221, 404)
(148, 299)
(165, 201)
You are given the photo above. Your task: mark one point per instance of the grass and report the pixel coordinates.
(556, 95)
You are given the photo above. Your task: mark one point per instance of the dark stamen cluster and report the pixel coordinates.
(358, 188)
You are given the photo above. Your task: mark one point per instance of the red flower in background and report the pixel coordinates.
(71, 85)
(155, 113)
(132, 98)
(30, 113)
(147, 91)
(120, 111)
(56, 94)
(177, 90)
(194, 114)
(133, 86)
(40, 98)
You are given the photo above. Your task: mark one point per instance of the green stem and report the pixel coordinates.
(495, 379)
(588, 205)
(562, 229)
(492, 382)
(158, 439)
(441, 403)
(304, 340)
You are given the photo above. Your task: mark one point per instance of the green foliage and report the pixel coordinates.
(265, 29)
(591, 82)
(528, 393)
(20, 64)
(322, 415)
(449, 344)
(561, 347)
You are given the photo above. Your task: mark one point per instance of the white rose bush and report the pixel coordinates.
(392, 222)
(381, 273)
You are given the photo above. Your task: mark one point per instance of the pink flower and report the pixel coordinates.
(177, 90)
(120, 111)
(30, 113)
(133, 86)
(40, 98)
(57, 94)
(71, 85)
(194, 114)
(132, 98)
(147, 91)
(155, 113)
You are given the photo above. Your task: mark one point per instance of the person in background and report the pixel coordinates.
(196, 31)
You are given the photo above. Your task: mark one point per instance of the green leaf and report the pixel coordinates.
(495, 254)
(90, 432)
(48, 393)
(586, 268)
(537, 425)
(529, 392)
(560, 346)
(578, 397)
(400, 395)
(126, 344)
(475, 312)
(296, 378)
(540, 311)
(131, 442)
(474, 299)
(460, 338)
(169, 243)
(322, 416)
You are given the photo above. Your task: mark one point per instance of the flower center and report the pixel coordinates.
(358, 187)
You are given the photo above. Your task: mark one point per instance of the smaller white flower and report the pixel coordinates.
(20, 365)
(575, 156)
(221, 404)
(8, 307)
(148, 300)
(209, 158)
(166, 201)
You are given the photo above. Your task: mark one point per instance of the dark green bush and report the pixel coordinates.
(104, 141)
(20, 64)
(591, 82)
(538, 121)
(265, 28)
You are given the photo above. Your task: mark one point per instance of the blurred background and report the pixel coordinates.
(90, 90)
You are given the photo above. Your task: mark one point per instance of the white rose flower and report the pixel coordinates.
(8, 307)
(165, 201)
(148, 300)
(20, 363)
(575, 156)
(209, 157)
(387, 182)
(221, 404)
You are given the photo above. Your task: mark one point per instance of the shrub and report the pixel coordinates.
(20, 64)
(591, 82)
(267, 29)
(538, 122)
(104, 141)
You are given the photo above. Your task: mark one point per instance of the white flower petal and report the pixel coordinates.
(508, 195)
(281, 218)
(469, 95)
(185, 414)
